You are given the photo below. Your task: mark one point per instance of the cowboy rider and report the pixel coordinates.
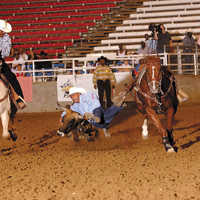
(6, 73)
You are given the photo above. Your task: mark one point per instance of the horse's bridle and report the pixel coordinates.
(153, 91)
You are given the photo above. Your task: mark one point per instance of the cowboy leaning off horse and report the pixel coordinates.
(88, 106)
(6, 75)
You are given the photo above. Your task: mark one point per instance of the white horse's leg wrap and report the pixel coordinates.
(5, 121)
(145, 129)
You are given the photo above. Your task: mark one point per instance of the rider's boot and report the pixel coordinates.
(21, 103)
(18, 100)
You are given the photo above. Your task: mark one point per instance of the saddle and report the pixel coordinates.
(17, 100)
(14, 97)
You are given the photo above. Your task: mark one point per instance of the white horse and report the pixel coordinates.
(5, 111)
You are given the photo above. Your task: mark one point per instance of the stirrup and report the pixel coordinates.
(21, 103)
(168, 147)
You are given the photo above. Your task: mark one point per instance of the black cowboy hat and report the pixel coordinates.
(104, 58)
(42, 53)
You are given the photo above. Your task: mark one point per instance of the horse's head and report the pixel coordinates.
(153, 73)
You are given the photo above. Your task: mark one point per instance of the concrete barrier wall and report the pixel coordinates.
(44, 97)
(45, 94)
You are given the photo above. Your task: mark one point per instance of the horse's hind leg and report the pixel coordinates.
(5, 121)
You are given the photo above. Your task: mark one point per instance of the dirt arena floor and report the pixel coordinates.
(44, 166)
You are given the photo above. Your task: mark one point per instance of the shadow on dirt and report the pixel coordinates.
(126, 113)
(45, 140)
(195, 131)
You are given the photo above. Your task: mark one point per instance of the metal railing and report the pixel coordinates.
(179, 63)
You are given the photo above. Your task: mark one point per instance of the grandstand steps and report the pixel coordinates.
(107, 25)
(51, 16)
(178, 17)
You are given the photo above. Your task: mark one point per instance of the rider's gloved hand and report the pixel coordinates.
(90, 116)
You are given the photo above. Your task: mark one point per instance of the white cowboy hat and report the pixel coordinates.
(5, 26)
(74, 90)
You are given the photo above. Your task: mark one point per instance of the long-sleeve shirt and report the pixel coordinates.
(5, 45)
(103, 73)
(88, 103)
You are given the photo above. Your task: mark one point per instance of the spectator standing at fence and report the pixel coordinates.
(143, 50)
(44, 64)
(188, 47)
(23, 54)
(41, 56)
(188, 43)
(151, 42)
(5, 48)
(104, 80)
(18, 64)
(164, 40)
(198, 41)
(122, 51)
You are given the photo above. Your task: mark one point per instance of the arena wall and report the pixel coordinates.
(45, 94)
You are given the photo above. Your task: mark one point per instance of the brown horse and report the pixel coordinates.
(155, 92)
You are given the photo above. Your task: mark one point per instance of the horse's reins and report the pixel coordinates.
(164, 94)
(146, 95)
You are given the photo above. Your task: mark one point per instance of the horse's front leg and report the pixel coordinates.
(170, 121)
(170, 118)
(152, 114)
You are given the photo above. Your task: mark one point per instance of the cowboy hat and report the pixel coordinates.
(5, 26)
(102, 58)
(74, 90)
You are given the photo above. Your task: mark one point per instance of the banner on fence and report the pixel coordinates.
(85, 81)
(26, 85)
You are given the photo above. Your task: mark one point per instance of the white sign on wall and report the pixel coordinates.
(64, 81)
(85, 81)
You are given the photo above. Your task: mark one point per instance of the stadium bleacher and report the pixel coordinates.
(178, 17)
(37, 22)
(91, 27)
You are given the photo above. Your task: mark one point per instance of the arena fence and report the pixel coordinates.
(179, 63)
